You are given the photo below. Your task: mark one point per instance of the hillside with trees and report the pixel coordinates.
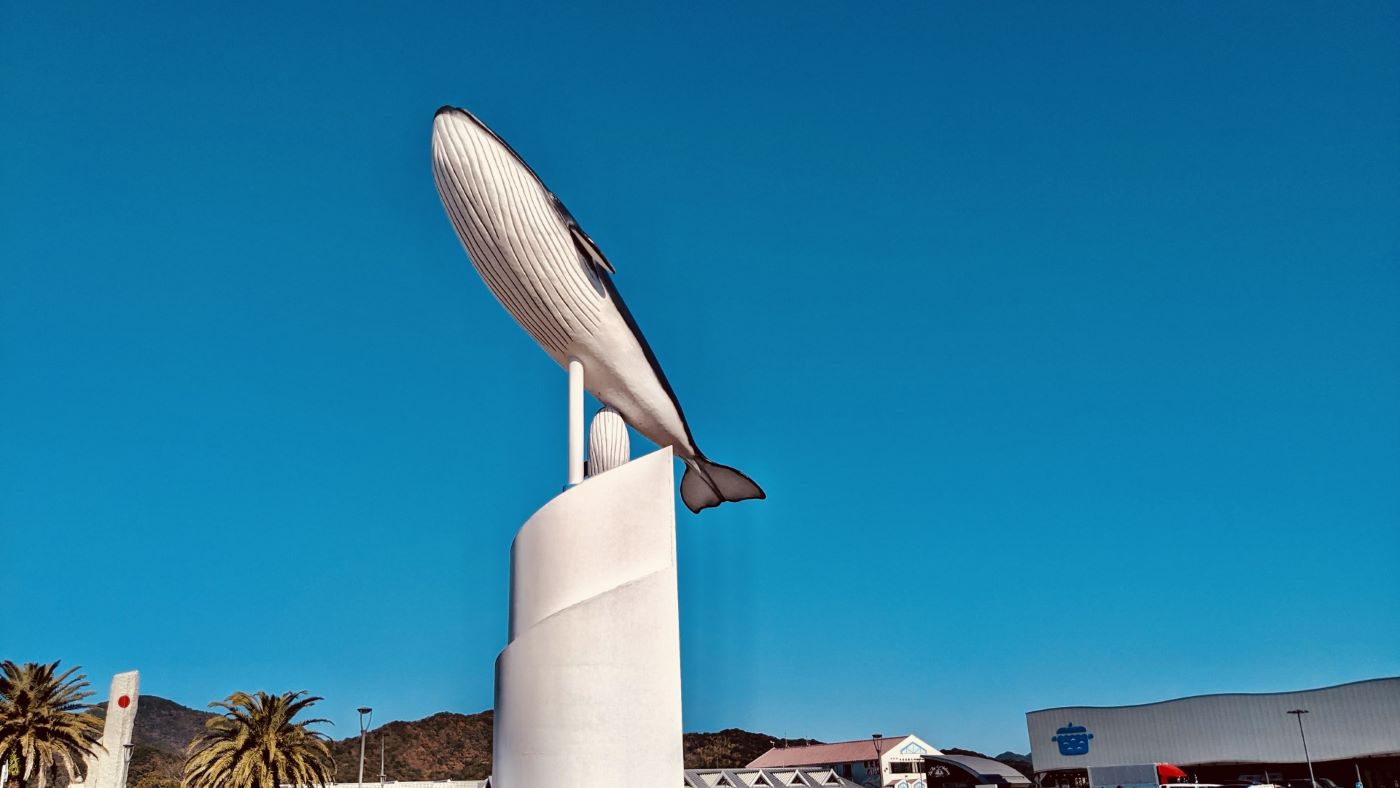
(443, 746)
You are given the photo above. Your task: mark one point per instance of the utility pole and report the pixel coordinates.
(381, 759)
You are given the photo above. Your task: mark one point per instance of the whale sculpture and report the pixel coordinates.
(555, 281)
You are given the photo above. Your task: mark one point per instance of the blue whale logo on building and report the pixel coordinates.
(1073, 739)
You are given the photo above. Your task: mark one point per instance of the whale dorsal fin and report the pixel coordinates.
(585, 244)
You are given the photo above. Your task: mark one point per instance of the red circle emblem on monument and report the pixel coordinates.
(124, 701)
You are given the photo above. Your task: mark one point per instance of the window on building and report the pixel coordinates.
(904, 767)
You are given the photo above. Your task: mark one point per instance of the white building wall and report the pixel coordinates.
(910, 749)
(1347, 721)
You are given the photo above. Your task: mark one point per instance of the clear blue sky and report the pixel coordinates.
(1064, 338)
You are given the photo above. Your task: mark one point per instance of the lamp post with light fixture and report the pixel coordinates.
(366, 713)
(879, 769)
(1299, 714)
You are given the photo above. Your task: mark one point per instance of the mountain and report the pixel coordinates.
(443, 746)
(730, 747)
(162, 731)
(448, 745)
(1018, 761)
(165, 725)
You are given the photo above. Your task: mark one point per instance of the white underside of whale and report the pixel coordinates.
(526, 252)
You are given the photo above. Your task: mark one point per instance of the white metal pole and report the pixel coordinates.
(575, 422)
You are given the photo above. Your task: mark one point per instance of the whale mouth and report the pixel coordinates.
(449, 111)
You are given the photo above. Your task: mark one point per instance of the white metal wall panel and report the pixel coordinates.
(1347, 721)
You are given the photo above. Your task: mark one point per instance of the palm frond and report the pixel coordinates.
(256, 743)
(44, 722)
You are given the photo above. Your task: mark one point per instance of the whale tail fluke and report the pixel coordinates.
(707, 484)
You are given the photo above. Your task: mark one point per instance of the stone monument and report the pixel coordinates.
(107, 765)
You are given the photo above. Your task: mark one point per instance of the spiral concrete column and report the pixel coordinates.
(588, 690)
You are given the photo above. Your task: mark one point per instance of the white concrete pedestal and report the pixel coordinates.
(588, 691)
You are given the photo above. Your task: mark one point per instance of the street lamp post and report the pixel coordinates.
(381, 759)
(879, 770)
(1299, 714)
(366, 713)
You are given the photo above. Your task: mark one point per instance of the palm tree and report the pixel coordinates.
(255, 744)
(43, 720)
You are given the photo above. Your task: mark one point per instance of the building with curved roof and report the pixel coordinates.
(1350, 729)
(969, 771)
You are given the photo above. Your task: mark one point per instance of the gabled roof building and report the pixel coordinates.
(886, 762)
(805, 777)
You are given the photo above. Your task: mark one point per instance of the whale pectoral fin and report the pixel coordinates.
(589, 249)
(707, 484)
